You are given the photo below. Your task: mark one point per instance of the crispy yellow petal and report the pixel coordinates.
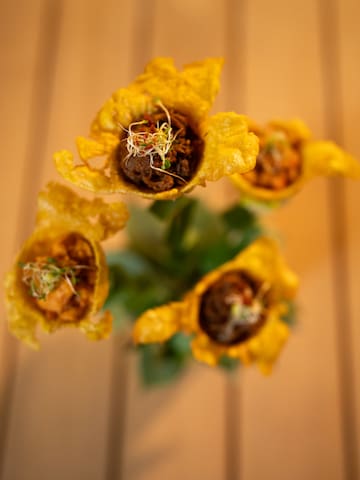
(88, 148)
(95, 180)
(326, 158)
(158, 324)
(318, 158)
(22, 320)
(125, 106)
(229, 147)
(190, 92)
(266, 347)
(102, 181)
(262, 349)
(206, 351)
(296, 129)
(97, 329)
(272, 198)
(262, 261)
(204, 77)
(201, 77)
(95, 218)
(60, 212)
(23, 314)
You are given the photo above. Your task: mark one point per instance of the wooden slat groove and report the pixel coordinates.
(232, 426)
(117, 410)
(331, 65)
(38, 128)
(235, 61)
(235, 98)
(143, 34)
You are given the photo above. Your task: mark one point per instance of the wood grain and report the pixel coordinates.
(348, 15)
(67, 384)
(292, 420)
(21, 69)
(77, 409)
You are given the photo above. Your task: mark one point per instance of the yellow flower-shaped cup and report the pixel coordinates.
(157, 139)
(60, 276)
(235, 310)
(288, 157)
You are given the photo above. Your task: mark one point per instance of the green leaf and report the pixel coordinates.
(158, 365)
(121, 318)
(146, 234)
(228, 363)
(163, 362)
(163, 209)
(131, 262)
(290, 317)
(166, 209)
(245, 238)
(137, 284)
(239, 217)
(215, 255)
(178, 226)
(180, 344)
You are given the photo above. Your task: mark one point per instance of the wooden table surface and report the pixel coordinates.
(76, 410)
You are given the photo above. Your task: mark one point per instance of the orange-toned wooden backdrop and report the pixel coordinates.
(77, 410)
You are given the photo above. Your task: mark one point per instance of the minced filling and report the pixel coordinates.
(62, 282)
(233, 308)
(159, 152)
(279, 162)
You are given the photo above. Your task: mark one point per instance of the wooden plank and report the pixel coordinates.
(291, 421)
(347, 15)
(62, 427)
(178, 431)
(18, 75)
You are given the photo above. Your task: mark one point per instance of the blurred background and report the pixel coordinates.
(77, 410)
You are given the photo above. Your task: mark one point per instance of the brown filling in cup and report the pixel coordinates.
(233, 308)
(159, 152)
(61, 283)
(279, 162)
